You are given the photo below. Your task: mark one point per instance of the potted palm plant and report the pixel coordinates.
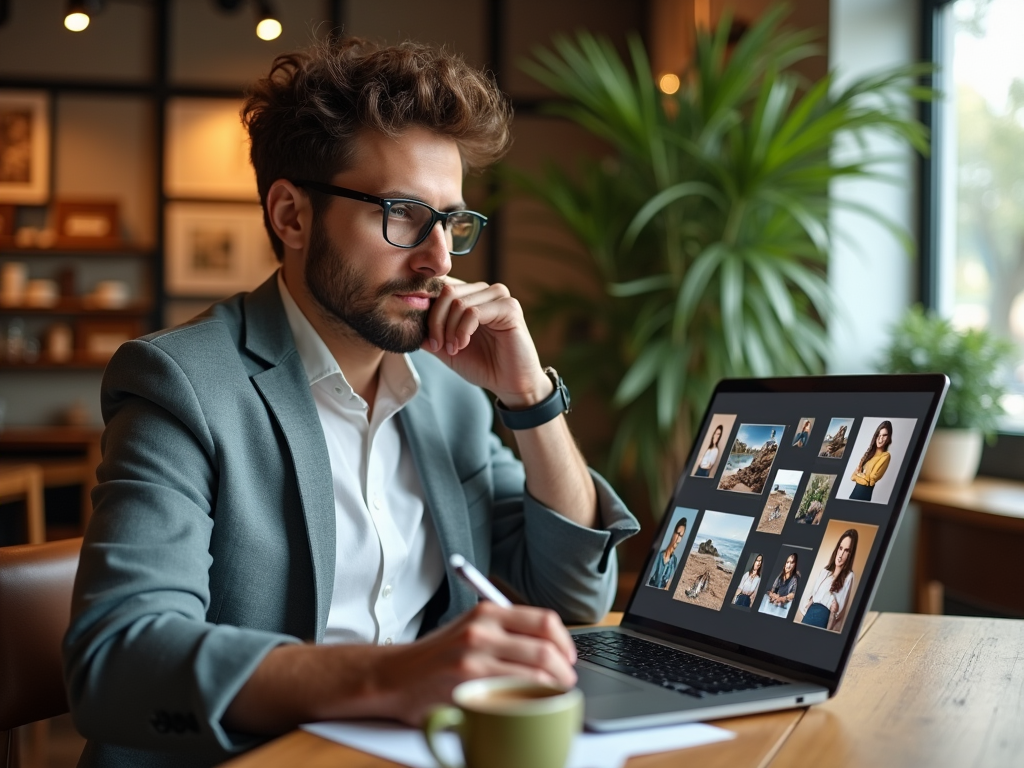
(926, 343)
(707, 225)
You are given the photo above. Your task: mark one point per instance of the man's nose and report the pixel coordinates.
(432, 254)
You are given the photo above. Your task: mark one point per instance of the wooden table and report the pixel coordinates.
(969, 541)
(920, 691)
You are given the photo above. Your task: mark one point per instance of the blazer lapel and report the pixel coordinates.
(285, 388)
(444, 498)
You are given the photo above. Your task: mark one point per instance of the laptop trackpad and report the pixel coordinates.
(596, 684)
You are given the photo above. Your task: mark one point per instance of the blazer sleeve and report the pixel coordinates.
(143, 666)
(547, 558)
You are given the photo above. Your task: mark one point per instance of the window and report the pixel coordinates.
(973, 223)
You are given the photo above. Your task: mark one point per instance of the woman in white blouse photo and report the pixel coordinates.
(830, 594)
(751, 580)
(710, 457)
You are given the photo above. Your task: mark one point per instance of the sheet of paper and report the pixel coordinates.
(591, 750)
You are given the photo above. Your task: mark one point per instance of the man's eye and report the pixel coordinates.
(399, 212)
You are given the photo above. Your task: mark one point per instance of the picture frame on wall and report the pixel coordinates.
(207, 151)
(216, 249)
(24, 147)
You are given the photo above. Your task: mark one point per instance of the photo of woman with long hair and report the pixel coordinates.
(829, 597)
(710, 457)
(749, 584)
(777, 600)
(873, 463)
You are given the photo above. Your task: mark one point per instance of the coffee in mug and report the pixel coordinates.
(509, 722)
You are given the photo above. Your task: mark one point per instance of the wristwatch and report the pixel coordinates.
(551, 407)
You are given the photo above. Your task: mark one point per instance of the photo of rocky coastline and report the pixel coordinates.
(751, 457)
(780, 501)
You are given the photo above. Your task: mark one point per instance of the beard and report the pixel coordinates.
(345, 299)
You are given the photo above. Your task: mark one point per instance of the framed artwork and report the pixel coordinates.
(207, 151)
(87, 224)
(98, 339)
(216, 249)
(24, 147)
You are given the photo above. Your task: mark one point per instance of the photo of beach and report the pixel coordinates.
(780, 500)
(712, 559)
(815, 498)
(836, 437)
(751, 457)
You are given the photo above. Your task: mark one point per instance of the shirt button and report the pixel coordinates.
(387, 641)
(376, 502)
(386, 592)
(338, 390)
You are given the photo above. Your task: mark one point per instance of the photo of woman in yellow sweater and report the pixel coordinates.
(873, 463)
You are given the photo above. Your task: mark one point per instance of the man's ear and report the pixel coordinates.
(290, 214)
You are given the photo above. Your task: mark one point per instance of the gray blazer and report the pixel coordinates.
(213, 537)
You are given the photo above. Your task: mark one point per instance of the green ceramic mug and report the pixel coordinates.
(509, 722)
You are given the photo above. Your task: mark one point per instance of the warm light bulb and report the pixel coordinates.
(268, 29)
(76, 21)
(669, 83)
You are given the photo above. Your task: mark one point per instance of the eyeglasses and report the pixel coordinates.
(407, 223)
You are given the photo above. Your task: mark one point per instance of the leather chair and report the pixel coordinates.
(35, 608)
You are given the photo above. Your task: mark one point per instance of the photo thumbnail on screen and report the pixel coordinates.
(834, 576)
(712, 447)
(750, 582)
(751, 458)
(803, 432)
(836, 437)
(815, 499)
(780, 500)
(784, 582)
(713, 559)
(875, 459)
(673, 548)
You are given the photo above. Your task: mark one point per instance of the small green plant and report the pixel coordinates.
(926, 343)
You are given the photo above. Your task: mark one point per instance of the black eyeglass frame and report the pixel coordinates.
(386, 202)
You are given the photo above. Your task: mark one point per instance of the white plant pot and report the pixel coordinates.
(952, 456)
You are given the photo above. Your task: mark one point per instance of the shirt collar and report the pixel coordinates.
(397, 371)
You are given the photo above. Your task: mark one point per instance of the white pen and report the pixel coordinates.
(478, 581)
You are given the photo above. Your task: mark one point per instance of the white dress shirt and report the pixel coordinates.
(389, 562)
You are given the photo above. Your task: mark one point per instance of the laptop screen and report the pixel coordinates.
(779, 524)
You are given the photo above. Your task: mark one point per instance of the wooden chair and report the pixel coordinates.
(25, 481)
(35, 608)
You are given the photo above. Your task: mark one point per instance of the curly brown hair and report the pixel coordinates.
(303, 116)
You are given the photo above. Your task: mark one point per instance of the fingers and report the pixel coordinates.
(462, 308)
(522, 640)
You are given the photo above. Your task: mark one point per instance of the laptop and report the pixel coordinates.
(768, 554)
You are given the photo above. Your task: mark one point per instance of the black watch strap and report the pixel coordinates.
(549, 408)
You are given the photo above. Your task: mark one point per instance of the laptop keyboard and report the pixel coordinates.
(665, 666)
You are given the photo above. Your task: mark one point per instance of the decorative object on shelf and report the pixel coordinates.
(87, 224)
(24, 147)
(708, 223)
(59, 347)
(216, 249)
(99, 339)
(207, 151)
(13, 277)
(7, 213)
(41, 293)
(927, 343)
(108, 294)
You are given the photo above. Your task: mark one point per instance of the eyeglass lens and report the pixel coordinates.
(408, 223)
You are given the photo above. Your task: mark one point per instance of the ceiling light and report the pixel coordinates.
(77, 17)
(268, 27)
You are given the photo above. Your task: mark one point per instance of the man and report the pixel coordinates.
(667, 560)
(282, 484)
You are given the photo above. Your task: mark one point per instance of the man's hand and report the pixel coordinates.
(479, 331)
(484, 642)
(307, 683)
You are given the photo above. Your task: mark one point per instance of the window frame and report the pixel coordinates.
(1002, 457)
